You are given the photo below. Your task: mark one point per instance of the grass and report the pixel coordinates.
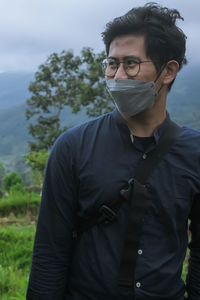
(18, 213)
(16, 244)
(19, 203)
(185, 266)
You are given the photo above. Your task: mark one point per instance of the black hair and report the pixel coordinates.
(164, 41)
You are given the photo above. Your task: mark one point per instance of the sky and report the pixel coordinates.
(30, 30)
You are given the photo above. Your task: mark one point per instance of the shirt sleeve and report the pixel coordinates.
(193, 276)
(53, 241)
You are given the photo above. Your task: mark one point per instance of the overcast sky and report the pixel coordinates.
(30, 30)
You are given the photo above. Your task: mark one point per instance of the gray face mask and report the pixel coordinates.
(132, 96)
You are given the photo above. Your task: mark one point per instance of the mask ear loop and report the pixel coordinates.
(159, 73)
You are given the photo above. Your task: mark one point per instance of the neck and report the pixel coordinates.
(145, 123)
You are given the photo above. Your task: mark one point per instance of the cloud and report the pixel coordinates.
(30, 30)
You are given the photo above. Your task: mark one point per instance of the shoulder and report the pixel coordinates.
(89, 125)
(188, 143)
(76, 135)
(189, 135)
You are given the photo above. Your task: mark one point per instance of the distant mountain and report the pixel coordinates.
(14, 135)
(14, 89)
(183, 105)
(183, 101)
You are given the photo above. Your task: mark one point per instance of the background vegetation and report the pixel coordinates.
(62, 86)
(18, 213)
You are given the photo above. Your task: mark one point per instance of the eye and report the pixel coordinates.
(112, 64)
(131, 63)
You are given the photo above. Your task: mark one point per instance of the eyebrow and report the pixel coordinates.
(125, 57)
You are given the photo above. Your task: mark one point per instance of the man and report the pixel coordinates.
(90, 165)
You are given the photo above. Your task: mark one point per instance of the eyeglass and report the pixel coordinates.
(131, 65)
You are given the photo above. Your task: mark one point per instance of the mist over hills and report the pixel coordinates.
(14, 135)
(183, 106)
(14, 89)
(183, 101)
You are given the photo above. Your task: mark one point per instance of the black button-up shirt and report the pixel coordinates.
(88, 166)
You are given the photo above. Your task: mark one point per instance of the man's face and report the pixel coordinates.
(130, 45)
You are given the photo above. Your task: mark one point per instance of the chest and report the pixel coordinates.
(106, 170)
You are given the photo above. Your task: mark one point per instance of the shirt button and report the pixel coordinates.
(138, 284)
(132, 138)
(140, 251)
(144, 156)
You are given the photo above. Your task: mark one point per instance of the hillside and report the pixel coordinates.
(14, 135)
(183, 105)
(183, 101)
(14, 89)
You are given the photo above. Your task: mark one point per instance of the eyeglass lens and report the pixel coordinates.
(131, 67)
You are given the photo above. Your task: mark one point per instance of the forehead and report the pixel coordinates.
(127, 45)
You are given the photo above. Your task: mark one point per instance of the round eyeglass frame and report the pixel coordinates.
(118, 62)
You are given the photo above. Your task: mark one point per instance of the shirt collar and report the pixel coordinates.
(157, 133)
(161, 128)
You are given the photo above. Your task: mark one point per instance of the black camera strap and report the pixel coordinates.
(135, 194)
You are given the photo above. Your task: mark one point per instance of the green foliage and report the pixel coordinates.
(19, 203)
(2, 172)
(37, 161)
(65, 80)
(17, 188)
(16, 245)
(94, 94)
(10, 180)
(50, 93)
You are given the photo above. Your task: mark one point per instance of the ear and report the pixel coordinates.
(171, 70)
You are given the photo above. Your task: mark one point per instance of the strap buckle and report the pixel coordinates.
(126, 193)
(108, 214)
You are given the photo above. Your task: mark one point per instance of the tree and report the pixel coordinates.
(37, 161)
(10, 180)
(50, 94)
(2, 172)
(65, 80)
(93, 92)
